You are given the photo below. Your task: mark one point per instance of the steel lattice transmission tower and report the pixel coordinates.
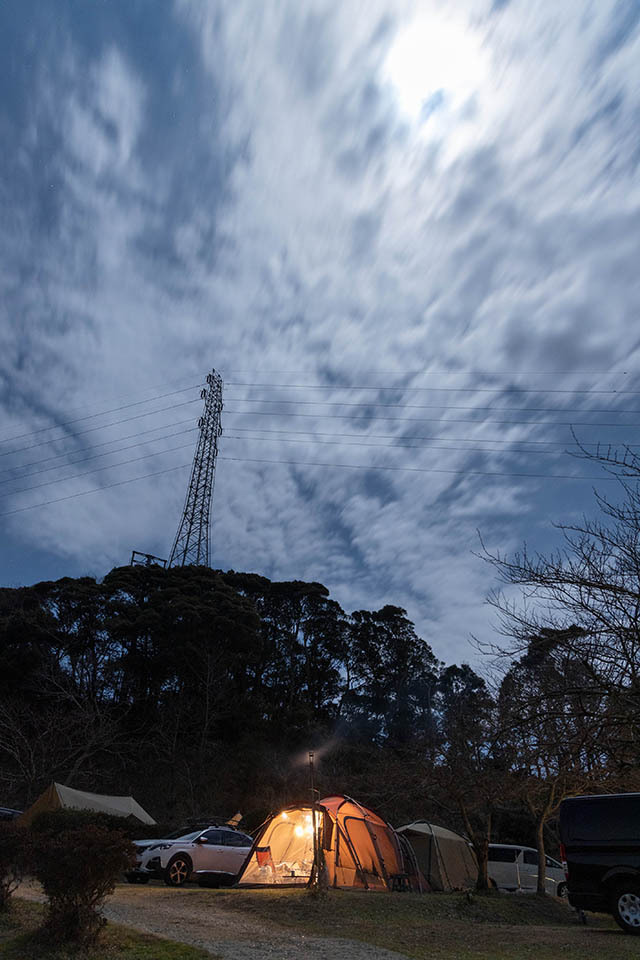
(191, 545)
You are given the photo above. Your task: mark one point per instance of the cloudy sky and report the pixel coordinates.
(406, 233)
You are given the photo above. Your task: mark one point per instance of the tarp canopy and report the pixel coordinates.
(360, 850)
(445, 859)
(59, 797)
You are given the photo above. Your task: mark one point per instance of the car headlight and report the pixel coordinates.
(160, 846)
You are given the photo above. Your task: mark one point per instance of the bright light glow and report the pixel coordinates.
(298, 830)
(309, 829)
(307, 818)
(284, 815)
(435, 63)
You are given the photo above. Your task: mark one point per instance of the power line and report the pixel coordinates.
(126, 396)
(396, 436)
(297, 463)
(349, 416)
(453, 373)
(105, 443)
(103, 413)
(403, 389)
(319, 416)
(398, 446)
(95, 456)
(85, 493)
(85, 473)
(362, 440)
(435, 406)
(473, 473)
(102, 426)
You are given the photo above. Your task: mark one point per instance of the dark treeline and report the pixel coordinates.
(200, 693)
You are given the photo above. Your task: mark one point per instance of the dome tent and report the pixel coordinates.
(360, 850)
(446, 860)
(59, 797)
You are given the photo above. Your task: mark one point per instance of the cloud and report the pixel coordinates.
(244, 186)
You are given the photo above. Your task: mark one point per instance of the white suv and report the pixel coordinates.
(213, 856)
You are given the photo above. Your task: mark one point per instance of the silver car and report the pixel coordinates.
(214, 855)
(515, 868)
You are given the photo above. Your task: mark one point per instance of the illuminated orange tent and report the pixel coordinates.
(359, 849)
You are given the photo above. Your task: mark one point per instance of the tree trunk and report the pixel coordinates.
(480, 844)
(542, 862)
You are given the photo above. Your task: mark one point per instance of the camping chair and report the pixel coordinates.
(264, 859)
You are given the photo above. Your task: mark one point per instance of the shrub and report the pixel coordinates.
(14, 859)
(51, 822)
(78, 867)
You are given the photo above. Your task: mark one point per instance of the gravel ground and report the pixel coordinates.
(189, 917)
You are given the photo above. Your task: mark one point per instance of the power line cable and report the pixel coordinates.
(103, 413)
(94, 446)
(450, 373)
(325, 403)
(85, 493)
(473, 473)
(435, 406)
(399, 446)
(126, 396)
(396, 436)
(107, 453)
(348, 416)
(362, 440)
(85, 473)
(297, 463)
(102, 426)
(337, 386)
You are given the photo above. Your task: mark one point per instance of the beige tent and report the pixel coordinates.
(446, 860)
(59, 797)
(360, 850)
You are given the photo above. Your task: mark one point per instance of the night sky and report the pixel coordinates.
(408, 228)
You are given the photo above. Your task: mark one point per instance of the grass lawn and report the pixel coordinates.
(19, 940)
(442, 926)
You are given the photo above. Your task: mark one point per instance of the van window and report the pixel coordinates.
(503, 854)
(606, 819)
(531, 857)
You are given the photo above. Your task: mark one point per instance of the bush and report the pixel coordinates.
(78, 867)
(52, 822)
(14, 859)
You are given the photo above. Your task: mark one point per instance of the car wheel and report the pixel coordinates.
(562, 891)
(178, 870)
(625, 906)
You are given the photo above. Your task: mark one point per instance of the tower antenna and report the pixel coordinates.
(192, 542)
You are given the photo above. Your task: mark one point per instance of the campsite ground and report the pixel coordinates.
(290, 924)
(20, 939)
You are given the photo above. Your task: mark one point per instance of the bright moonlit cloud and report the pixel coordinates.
(435, 60)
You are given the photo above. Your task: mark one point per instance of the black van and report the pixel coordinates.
(601, 855)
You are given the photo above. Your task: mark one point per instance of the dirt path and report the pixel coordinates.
(191, 916)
